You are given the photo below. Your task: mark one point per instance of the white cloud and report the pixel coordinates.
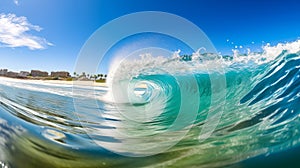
(16, 2)
(14, 33)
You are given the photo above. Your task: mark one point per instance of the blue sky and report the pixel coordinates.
(52, 32)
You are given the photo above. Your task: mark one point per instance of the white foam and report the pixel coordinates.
(273, 51)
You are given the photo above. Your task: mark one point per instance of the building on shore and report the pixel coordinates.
(23, 74)
(61, 74)
(12, 74)
(37, 73)
(3, 72)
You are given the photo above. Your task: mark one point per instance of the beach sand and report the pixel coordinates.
(60, 82)
(83, 83)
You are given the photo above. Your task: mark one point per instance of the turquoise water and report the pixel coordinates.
(174, 114)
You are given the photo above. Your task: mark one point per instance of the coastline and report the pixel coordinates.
(83, 83)
(62, 82)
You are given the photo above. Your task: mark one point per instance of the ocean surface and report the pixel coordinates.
(210, 111)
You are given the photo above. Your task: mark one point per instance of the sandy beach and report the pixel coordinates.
(84, 83)
(60, 82)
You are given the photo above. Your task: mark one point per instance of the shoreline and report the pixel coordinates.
(64, 82)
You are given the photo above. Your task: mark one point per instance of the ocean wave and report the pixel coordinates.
(243, 91)
(214, 110)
